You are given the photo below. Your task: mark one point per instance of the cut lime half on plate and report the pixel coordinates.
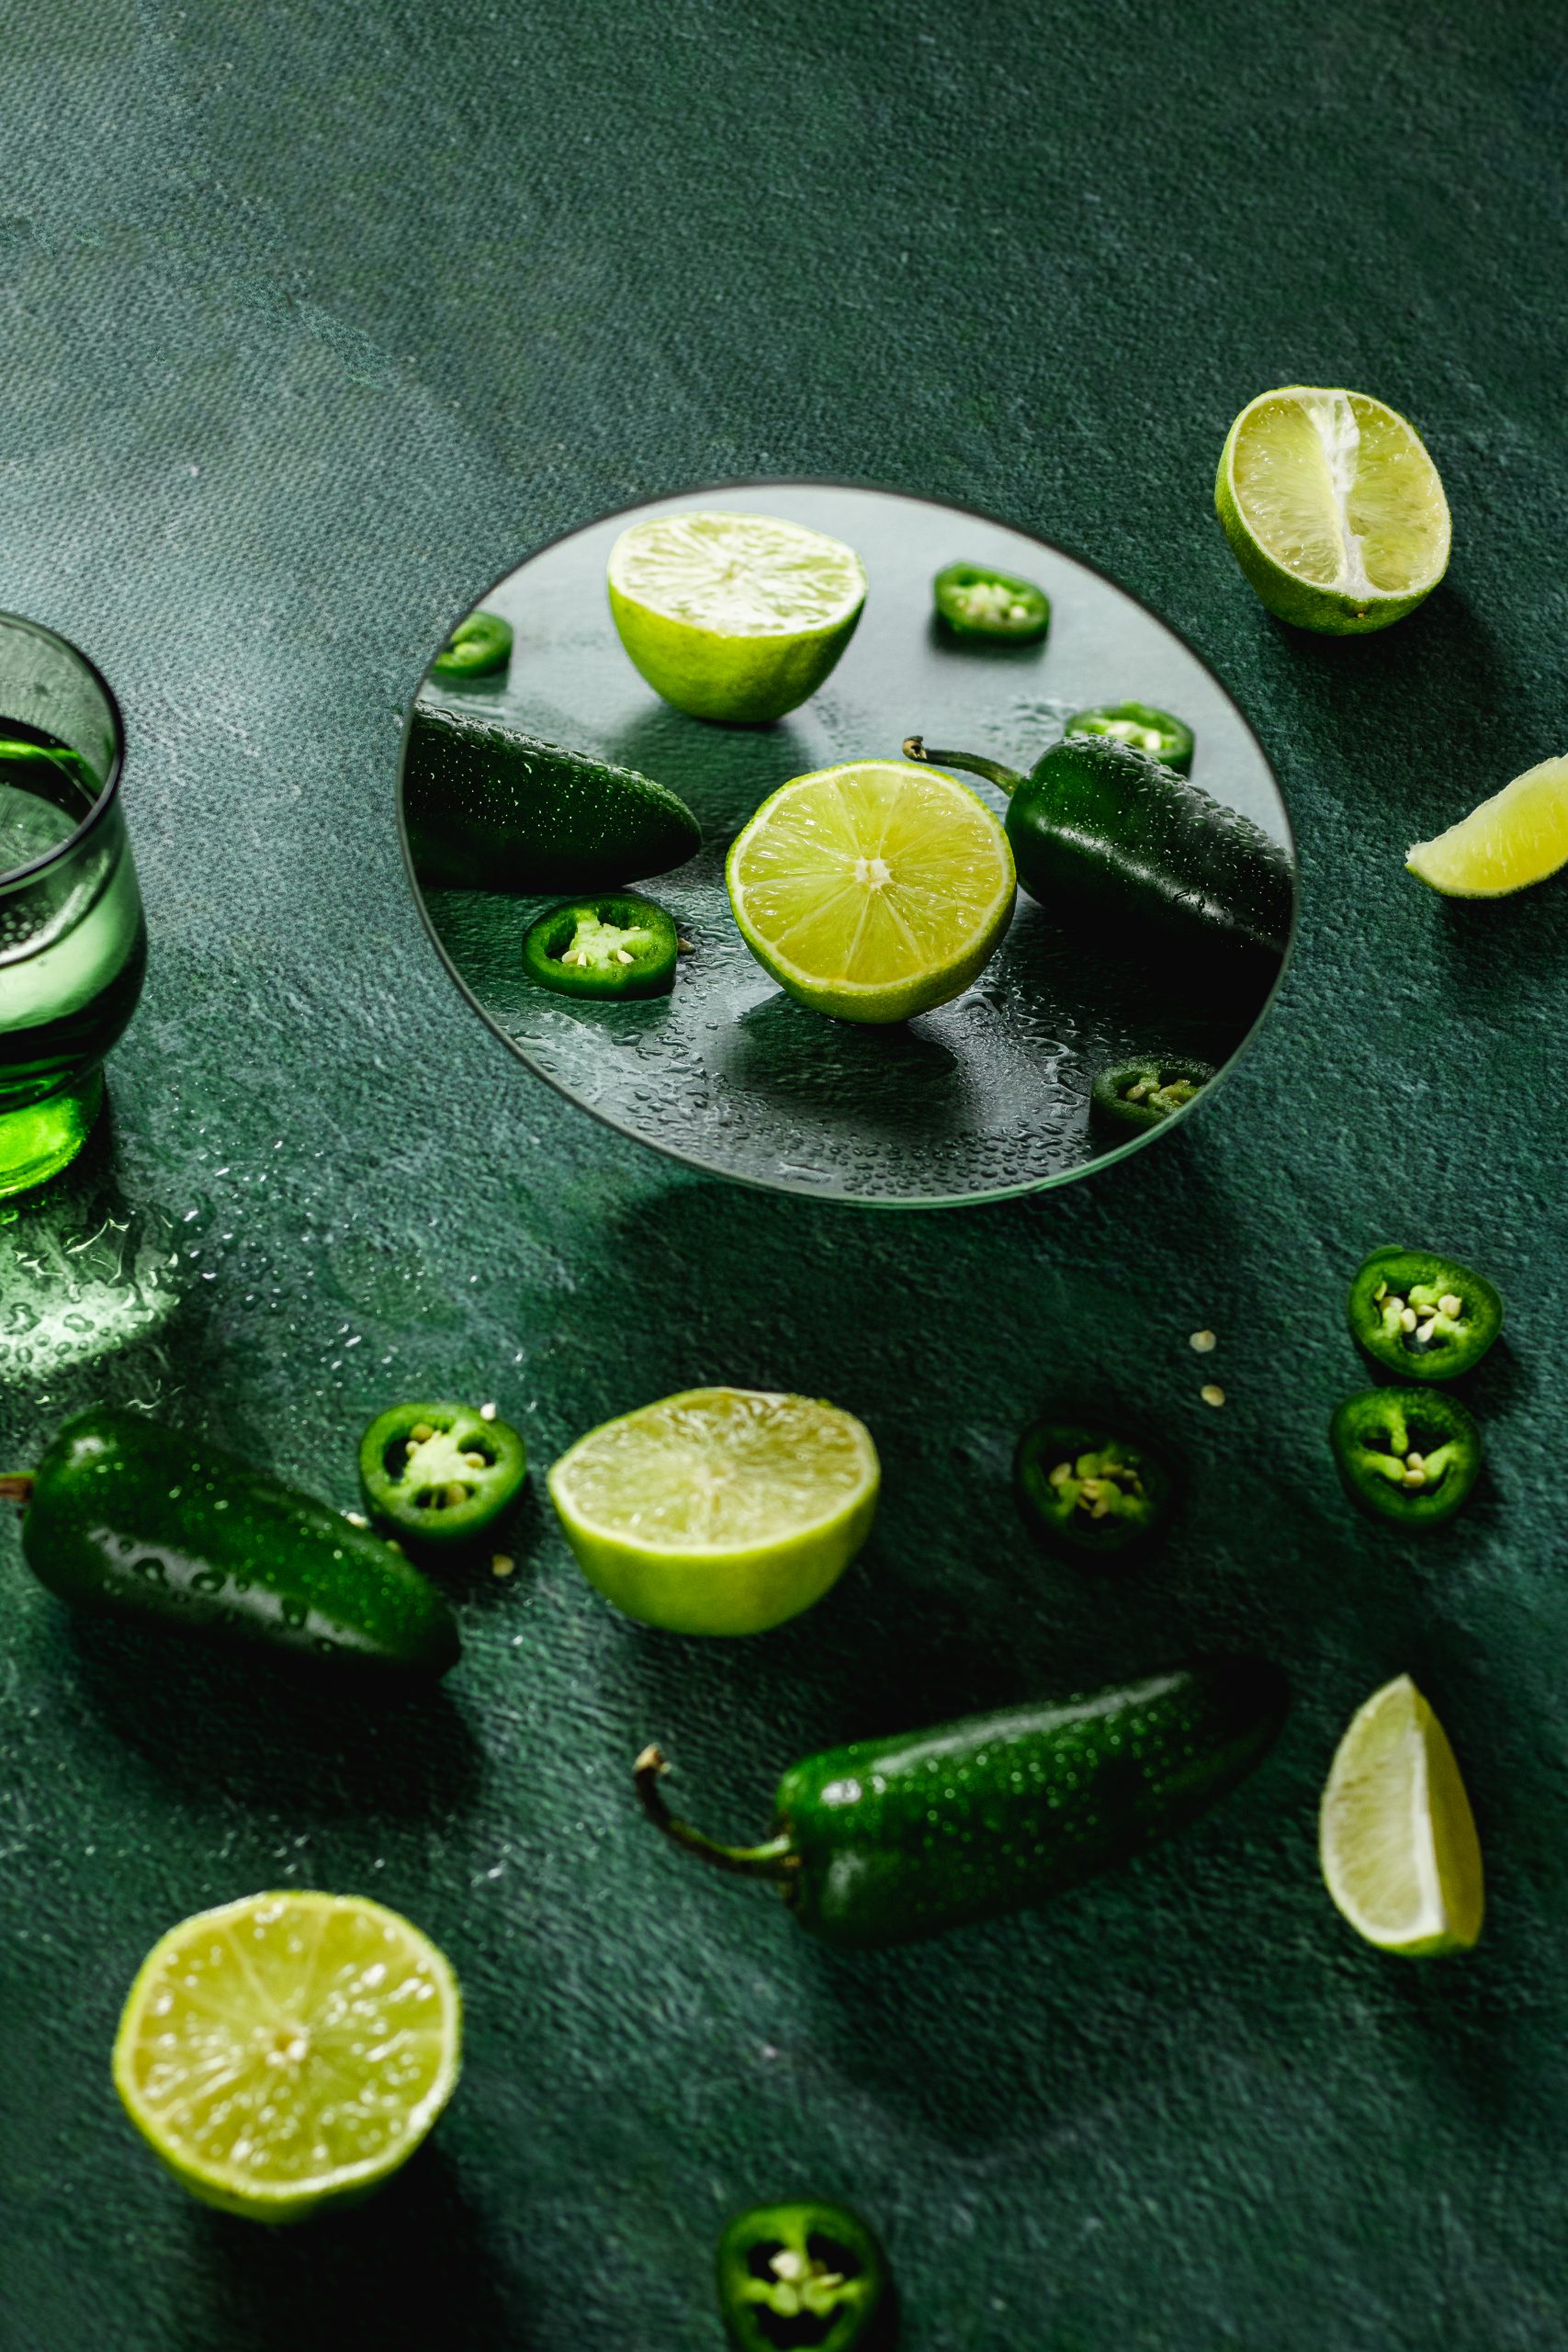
(1517, 837)
(1396, 1834)
(289, 2050)
(873, 891)
(720, 1510)
(1333, 508)
(733, 616)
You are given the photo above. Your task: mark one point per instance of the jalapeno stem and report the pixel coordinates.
(1005, 779)
(17, 1486)
(776, 1860)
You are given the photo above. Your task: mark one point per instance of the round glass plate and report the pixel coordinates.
(987, 1096)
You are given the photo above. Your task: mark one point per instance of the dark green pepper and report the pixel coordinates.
(1409, 1455)
(974, 601)
(1154, 733)
(805, 2274)
(125, 1516)
(441, 1472)
(1136, 1095)
(480, 643)
(621, 945)
(1087, 1489)
(891, 1839)
(1110, 842)
(1423, 1316)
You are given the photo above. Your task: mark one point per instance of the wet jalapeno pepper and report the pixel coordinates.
(442, 1474)
(974, 601)
(806, 2274)
(1423, 1316)
(1409, 1455)
(620, 945)
(1136, 1095)
(1154, 733)
(1085, 1488)
(891, 1839)
(480, 643)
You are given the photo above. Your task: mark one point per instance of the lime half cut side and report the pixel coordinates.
(719, 1510)
(1333, 508)
(873, 891)
(1517, 837)
(1396, 1834)
(287, 2051)
(733, 616)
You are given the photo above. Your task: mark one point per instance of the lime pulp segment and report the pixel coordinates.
(288, 2049)
(1396, 1836)
(1517, 837)
(873, 891)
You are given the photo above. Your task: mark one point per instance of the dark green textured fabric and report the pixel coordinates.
(314, 318)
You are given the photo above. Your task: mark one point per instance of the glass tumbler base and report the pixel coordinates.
(38, 1142)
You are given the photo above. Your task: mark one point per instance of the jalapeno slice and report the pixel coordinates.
(1087, 1488)
(1135, 1095)
(619, 946)
(1165, 738)
(1410, 1455)
(481, 642)
(974, 601)
(440, 1473)
(1423, 1316)
(806, 2274)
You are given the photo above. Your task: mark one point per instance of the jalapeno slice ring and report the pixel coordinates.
(1087, 1488)
(1136, 1095)
(807, 2275)
(974, 601)
(1420, 1316)
(616, 945)
(440, 1473)
(481, 642)
(1156, 732)
(1409, 1455)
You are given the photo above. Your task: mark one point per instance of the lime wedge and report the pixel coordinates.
(1517, 837)
(1397, 1842)
(734, 616)
(1333, 508)
(289, 2050)
(721, 1510)
(873, 891)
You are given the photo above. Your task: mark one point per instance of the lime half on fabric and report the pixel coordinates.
(1396, 1834)
(873, 891)
(1517, 837)
(1333, 508)
(733, 616)
(288, 2051)
(719, 1510)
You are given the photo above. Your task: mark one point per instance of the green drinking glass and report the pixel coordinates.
(73, 941)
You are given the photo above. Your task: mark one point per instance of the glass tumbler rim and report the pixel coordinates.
(13, 876)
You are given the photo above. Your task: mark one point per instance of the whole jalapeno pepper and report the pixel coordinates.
(618, 946)
(1136, 1095)
(807, 2274)
(1154, 733)
(443, 1473)
(1423, 1316)
(974, 600)
(124, 1516)
(892, 1840)
(1087, 1489)
(479, 644)
(1409, 1455)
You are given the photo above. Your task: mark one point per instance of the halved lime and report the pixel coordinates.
(720, 1510)
(289, 2050)
(1333, 508)
(873, 891)
(1517, 837)
(1396, 1834)
(735, 617)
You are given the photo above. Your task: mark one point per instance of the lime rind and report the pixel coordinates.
(288, 2051)
(1397, 1838)
(1517, 837)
